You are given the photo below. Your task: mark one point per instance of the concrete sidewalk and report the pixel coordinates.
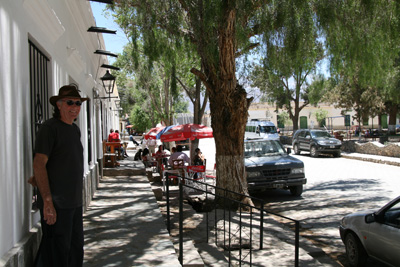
(123, 224)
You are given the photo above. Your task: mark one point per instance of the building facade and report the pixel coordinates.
(335, 119)
(45, 44)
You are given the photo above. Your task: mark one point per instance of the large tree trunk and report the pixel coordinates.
(229, 109)
(295, 121)
(229, 112)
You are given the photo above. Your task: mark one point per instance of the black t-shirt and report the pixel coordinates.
(197, 160)
(61, 142)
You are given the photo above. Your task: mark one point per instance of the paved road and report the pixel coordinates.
(336, 187)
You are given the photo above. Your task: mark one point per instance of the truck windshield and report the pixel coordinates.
(262, 148)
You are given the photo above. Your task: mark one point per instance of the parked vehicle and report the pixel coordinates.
(316, 142)
(373, 234)
(261, 129)
(269, 166)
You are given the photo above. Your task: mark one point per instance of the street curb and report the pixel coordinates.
(380, 161)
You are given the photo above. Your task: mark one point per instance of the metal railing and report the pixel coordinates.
(242, 228)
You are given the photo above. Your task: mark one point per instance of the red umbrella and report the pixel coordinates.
(153, 133)
(187, 131)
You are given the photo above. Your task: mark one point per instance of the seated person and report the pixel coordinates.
(162, 154)
(198, 158)
(178, 155)
(110, 136)
(161, 157)
(146, 157)
(116, 138)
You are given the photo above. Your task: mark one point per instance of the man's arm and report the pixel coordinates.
(42, 180)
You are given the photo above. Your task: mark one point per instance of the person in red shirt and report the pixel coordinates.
(110, 136)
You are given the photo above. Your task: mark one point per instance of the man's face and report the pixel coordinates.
(69, 109)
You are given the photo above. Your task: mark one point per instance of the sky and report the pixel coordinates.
(114, 42)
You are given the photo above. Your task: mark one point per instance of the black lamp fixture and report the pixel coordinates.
(108, 81)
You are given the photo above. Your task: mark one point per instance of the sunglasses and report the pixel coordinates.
(71, 102)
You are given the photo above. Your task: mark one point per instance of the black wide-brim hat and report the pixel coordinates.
(67, 91)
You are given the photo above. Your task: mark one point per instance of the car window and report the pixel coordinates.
(307, 134)
(301, 133)
(316, 134)
(392, 216)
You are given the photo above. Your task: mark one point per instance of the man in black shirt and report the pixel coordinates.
(58, 173)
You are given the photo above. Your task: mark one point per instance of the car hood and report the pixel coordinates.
(359, 214)
(273, 160)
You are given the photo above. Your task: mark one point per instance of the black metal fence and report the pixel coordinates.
(234, 225)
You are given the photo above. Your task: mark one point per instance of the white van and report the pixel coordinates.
(261, 129)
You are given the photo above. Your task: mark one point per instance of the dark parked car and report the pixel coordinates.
(373, 234)
(268, 166)
(316, 142)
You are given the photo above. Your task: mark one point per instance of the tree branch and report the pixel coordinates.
(184, 88)
(246, 49)
(202, 77)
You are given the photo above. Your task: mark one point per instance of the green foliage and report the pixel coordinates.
(284, 118)
(140, 119)
(321, 115)
(347, 93)
(361, 37)
(291, 52)
(317, 90)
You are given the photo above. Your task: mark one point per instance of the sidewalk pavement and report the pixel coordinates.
(125, 227)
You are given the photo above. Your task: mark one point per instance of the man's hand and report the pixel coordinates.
(49, 213)
(32, 181)
(42, 180)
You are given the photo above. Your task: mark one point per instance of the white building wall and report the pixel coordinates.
(59, 29)
(267, 112)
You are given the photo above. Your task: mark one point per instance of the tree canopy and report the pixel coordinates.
(359, 37)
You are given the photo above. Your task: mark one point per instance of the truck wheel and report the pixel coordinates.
(355, 252)
(313, 152)
(296, 149)
(296, 190)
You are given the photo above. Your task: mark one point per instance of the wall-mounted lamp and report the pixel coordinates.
(108, 83)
